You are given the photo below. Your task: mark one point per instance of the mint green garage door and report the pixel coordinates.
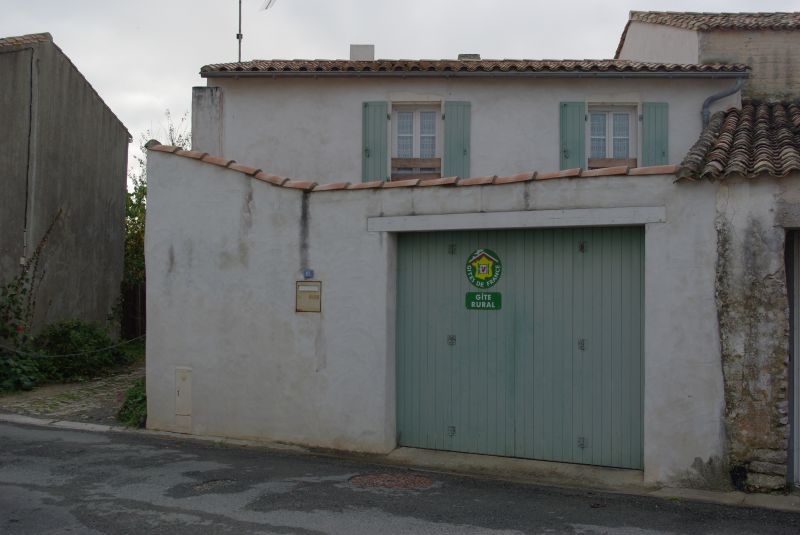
(554, 373)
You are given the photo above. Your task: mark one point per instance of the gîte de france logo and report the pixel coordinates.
(484, 268)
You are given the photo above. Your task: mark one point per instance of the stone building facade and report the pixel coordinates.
(63, 164)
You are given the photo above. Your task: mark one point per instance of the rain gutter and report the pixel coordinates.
(716, 96)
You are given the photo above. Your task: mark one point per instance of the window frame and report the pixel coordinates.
(416, 108)
(633, 135)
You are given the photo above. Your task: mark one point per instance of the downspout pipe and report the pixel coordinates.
(716, 96)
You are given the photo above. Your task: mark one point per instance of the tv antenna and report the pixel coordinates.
(239, 36)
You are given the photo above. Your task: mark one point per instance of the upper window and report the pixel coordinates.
(416, 143)
(612, 136)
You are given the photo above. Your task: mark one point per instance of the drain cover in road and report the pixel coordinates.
(392, 481)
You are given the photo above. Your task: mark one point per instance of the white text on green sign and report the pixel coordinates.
(484, 300)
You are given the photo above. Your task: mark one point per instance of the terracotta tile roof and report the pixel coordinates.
(761, 138)
(713, 21)
(720, 21)
(493, 180)
(455, 67)
(22, 40)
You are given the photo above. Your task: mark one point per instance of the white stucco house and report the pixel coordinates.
(552, 260)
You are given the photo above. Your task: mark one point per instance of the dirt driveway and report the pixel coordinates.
(92, 401)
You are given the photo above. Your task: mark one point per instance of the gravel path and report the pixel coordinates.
(93, 401)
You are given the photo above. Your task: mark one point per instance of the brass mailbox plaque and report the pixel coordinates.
(308, 296)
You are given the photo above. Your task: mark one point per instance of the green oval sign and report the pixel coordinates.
(484, 268)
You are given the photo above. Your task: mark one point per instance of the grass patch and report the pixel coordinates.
(133, 412)
(134, 351)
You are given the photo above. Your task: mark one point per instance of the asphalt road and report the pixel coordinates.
(61, 481)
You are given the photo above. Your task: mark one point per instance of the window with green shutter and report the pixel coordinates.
(457, 134)
(375, 142)
(572, 125)
(655, 133)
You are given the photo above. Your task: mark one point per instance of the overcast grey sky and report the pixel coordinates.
(143, 56)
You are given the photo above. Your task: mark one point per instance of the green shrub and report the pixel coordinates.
(133, 412)
(18, 373)
(89, 346)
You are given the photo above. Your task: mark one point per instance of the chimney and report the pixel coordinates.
(362, 52)
(469, 57)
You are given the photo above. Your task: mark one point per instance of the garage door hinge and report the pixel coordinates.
(582, 344)
(451, 430)
(451, 339)
(582, 442)
(451, 248)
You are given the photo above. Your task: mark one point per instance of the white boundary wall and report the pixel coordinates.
(224, 252)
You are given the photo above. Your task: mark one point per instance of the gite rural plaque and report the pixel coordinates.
(483, 270)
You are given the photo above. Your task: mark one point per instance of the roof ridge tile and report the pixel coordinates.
(311, 186)
(488, 66)
(217, 160)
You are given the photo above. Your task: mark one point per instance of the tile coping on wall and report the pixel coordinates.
(311, 186)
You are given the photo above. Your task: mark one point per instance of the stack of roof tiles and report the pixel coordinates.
(761, 138)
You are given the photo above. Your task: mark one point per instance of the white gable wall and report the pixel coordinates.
(659, 43)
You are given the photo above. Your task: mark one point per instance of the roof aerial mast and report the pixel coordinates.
(239, 36)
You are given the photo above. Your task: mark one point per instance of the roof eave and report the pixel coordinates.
(455, 74)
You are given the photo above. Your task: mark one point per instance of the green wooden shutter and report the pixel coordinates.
(655, 133)
(375, 141)
(572, 134)
(456, 139)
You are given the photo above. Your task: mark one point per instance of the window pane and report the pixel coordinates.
(621, 125)
(405, 146)
(427, 147)
(597, 148)
(621, 135)
(598, 124)
(621, 147)
(427, 123)
(405, 123)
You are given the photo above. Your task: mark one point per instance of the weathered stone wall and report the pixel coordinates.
(753, 312)
(771, 55)
(15, 132)
(77, 168)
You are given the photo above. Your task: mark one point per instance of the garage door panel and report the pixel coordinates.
(555, 374)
